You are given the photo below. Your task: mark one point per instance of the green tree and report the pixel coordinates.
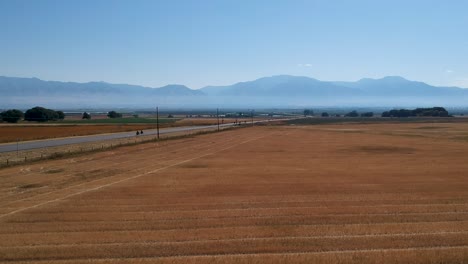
(86, 115)
(434, 111)
(325, 114)
(12, 115)
(114, 114)
(367, 114)
(41, 114)
(353, 113)
(308, 112)
(61, 115)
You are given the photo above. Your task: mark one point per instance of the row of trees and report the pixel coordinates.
(308, 112)
(114, 114)
(111, 114)
(418, 112)
(353, 113)
(39, 114)
(434, 112)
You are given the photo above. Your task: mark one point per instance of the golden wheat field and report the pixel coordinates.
(378, 193)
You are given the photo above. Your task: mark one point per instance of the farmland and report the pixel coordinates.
(70, 128)
(355, 193)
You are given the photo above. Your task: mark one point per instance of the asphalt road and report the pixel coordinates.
(27, 145)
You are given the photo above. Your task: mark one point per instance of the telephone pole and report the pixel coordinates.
(252, 116)
(157, 121)
(217, 116)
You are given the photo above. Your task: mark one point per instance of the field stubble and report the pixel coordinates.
(257, 195)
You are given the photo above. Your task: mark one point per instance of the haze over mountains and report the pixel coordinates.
(275, 91)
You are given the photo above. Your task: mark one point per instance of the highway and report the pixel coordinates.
(27, 145)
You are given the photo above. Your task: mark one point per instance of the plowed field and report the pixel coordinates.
(390, 193)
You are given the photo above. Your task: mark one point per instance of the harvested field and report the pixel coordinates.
(12, 133)
(24, 132)
(383, 193)
(27, 156)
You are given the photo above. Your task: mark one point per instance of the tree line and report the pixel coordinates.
(42, 114)
(418, 112)
(433, 112)
(354, 113)
(39, 114)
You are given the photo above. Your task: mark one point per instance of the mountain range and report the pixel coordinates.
(274, 91)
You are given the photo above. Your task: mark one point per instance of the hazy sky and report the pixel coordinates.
(204, 42)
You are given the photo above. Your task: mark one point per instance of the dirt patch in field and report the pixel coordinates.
(383, 149)
(51, 171)
(29, 186)
(431, 127)
(193, 166)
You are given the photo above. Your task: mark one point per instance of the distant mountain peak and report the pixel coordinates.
(394, 77)
(36, 87)
(386, 78)
(287, 77)
(277, 90)
(180, 86)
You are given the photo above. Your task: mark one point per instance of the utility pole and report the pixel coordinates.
(17, 147)
(217, 116)
(157, 121)
(252, 116)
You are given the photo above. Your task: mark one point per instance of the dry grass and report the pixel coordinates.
(257, 195)
(12, 133)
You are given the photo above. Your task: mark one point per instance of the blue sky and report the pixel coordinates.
(204, 42)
